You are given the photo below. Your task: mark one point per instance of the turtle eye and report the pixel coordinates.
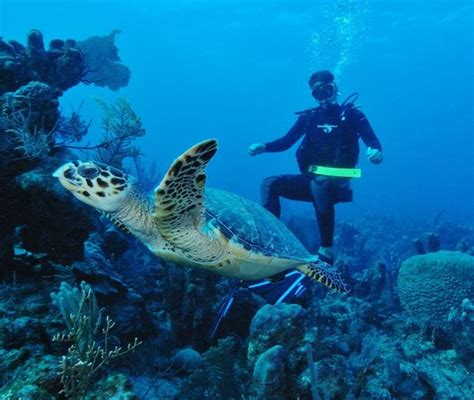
(89, 172)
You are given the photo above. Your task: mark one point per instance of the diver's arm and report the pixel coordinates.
(365, 131)
(367, 134)
(285, 142)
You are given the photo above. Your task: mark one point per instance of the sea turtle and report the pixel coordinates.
(191, 225)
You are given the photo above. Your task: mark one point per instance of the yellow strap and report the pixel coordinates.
(339, 172)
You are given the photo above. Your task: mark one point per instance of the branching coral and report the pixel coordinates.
(85, 356)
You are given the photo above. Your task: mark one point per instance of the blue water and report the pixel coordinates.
(237, 70)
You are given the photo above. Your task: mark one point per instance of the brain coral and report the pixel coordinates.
(430, 284)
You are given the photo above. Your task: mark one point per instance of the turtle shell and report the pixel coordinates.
(252, 226)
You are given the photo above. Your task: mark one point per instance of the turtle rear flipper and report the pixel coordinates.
(179, 211)
(324, 273)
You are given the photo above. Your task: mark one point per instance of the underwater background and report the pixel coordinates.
(185, 71)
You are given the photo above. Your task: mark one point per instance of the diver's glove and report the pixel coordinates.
(256, 148)
(374, 155)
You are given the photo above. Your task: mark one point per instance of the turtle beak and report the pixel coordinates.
(67, 175)
(65, 170)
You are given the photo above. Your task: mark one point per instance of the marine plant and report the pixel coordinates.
(85, 356)
(72, 128)
(27, 133)
(121, 127)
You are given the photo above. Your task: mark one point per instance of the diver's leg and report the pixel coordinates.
(325, 214)
(293, 187)
(270, 196)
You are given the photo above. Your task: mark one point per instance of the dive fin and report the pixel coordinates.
(292, 284)
(223, 310)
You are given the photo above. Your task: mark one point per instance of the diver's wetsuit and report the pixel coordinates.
(331, 139)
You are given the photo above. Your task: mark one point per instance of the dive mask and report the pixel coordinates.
(323, 91)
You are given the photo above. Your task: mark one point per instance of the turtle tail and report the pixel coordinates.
(324, 273)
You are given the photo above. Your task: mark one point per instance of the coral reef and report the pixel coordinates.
(363, 346)
(60, 66)
(405, 331)
(63, 65)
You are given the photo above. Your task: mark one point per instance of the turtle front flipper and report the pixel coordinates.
(324, 273)
(179, 211)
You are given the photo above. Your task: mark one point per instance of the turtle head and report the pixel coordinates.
(98, 185)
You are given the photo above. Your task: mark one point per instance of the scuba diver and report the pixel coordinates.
(327, 157)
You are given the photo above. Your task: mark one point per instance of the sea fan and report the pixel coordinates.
(103, 66)
(121, 127)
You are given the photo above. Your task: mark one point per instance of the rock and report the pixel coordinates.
(462, 332)
(153, 387)
(269, 378)
(55, 223)
(467, 313)
(448, 379)
(187, 360)
(115, 243)
(11, 360)
(36, 379)
(272, 325)
(329, 377)
(23, 331)
(115, 386)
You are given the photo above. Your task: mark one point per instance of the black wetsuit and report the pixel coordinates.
(331, 139)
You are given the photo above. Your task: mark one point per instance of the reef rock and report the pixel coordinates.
(61, 65)
(282, 324)
(448, 379)
(269, 379)
(53, 222)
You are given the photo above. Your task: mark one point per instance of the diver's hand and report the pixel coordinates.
(256, 148)
(374, 155)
